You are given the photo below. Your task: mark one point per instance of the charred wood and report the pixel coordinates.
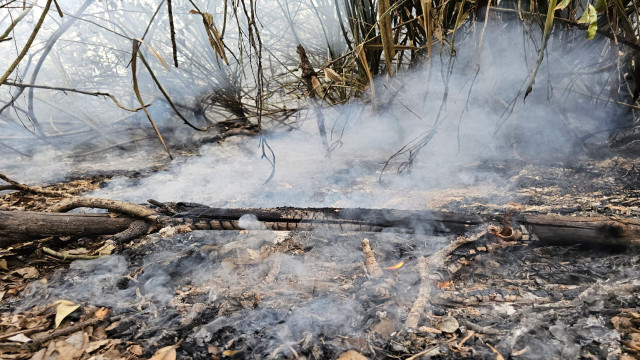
(548, 227)
(575, 229)
(551, 228)
(426, 267)
(15, 226)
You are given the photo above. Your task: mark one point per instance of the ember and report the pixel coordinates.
(395, 267)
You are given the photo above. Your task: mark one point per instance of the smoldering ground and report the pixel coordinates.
(469, 107)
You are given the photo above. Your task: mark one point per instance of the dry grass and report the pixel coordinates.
(382, 36)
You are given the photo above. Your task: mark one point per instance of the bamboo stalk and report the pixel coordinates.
(384, 22)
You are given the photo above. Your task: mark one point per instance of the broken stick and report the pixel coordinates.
(427, 265)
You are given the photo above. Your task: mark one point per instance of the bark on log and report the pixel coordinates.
(17, 225)
(575, 229)
(382, 218)
(563, 228)
(571, 229)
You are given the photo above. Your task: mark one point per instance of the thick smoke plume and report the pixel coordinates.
(467, 108)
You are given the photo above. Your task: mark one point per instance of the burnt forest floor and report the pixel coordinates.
(247, 294)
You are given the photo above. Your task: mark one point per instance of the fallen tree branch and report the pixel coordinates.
(41, 338)
(135, 230)
(427, 266)
(122, 207)
(8, 187)
(21, 226)
(14, 185)
(550, 228)
(65, 256)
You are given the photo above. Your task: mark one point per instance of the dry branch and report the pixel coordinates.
(5, 34)
(310, 77)
(136, 90)
(26, 47)
(66, 256)
(384, 22)
(32, 189)
(135, 230)
(173, 33)
(17, 225)
(78, 91)
(427, 266)
(166, 95)
(111, 205)
(41, 338)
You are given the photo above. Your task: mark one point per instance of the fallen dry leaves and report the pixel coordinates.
(47, 333)
(352, 355)
(28, 272)
(102, 313)
(628, 324)
(166, 353)
(63, 309)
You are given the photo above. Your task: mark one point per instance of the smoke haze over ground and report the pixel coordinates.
(470, 106)
(458, 121)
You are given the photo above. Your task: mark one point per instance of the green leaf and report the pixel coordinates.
(562, 5)
(590, 16)
(601, 6)
(591, 31)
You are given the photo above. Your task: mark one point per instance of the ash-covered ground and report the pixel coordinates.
(261, 294)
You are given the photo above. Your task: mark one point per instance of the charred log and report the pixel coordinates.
(18, 225)
(575, 229)
(548, 227)
(570, 229)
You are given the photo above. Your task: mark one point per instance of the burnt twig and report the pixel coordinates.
(426, 267)
(66, 256)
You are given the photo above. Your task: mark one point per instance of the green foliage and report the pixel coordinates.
(590, 16)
